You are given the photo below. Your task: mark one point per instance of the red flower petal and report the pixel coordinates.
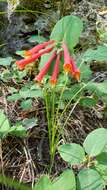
(67, 59)
(75, 71)
(23, 62)
(45, 69)
(53, 79)
(38, 48)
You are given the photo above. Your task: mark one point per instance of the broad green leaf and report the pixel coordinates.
(43, 61)
(43, 184)
(6, 75)
(68, 29)
(6, 61)
(30, 123)
(66, 181)
(89, 179)
(45, 58)
(88, 102)
(4, 125)
(36, 38)
(95, 142)
(18, 131)
(20, 75)
(21, 53)
(99, 54)
(14, 97)
(98, 88)
(85, 72)
(12, 183)
(24, 92)
(35, 86)
(26, 105)
(72, 92)
(72, 153)
(27, 93)
(101, 165)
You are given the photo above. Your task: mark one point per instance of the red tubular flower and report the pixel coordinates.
(67, 59)
(45, 69)
(53, 79)
(38, 48)
(23, 62)
(75, 71)
(69, 65)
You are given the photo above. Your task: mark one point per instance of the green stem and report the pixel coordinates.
(71, 112)
(48, 115)
(55, 121)
(71, 100)
(53, 105)
(63, 89)
(80, 90)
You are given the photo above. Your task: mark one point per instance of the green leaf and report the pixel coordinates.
(101, 165)
(27, 93)
(72, 92)
(30, 123)
(89, 179)
(66, 181)
(12, 183)
(20, 75)
(99, 88)
(21, 53)
(44, 59)
(43, 184)
(99, 54)
(6, 61)
(85, 72)
(95, 142)
(6, 75)
(87, 102)
(18, 131)
(36, 38)
(68, 29)
(4, 125)
(14, 97)
(72, 153)
(26, 105)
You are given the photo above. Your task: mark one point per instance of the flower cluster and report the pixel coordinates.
(44, 48)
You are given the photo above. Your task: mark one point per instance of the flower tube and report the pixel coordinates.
(38, 48)
(45, 69)
(75, 71)
(53, 79)
(67, 59)
(23, 62)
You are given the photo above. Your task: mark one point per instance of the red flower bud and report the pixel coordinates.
(23, 62)
(53, 79)
(45, 69)
(38, 48)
